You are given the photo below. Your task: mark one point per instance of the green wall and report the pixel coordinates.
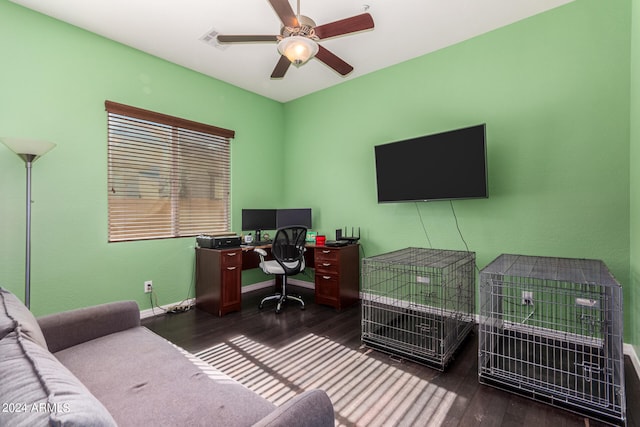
(634, 283)
(554, 92)
(54, 80)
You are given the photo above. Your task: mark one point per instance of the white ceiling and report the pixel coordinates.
(172, 30)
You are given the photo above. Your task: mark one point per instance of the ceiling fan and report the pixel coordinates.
(299, 36)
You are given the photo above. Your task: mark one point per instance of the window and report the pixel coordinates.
(168, 177)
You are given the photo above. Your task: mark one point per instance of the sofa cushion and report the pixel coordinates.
(311, 408)
(12, 313)
(142, 379)
(69, 328)
(38, 390)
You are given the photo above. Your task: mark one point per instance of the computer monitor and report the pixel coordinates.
(289, 217)
(258, 219)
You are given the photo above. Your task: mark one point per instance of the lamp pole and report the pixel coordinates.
(29, 150)
(28, 158)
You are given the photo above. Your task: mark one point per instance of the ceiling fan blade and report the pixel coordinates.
(285, 12)
(345, 26)
(246, 39)
(333, 61)
(281, 68)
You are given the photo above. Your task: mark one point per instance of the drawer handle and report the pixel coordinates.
(232, 254)
(326, 264)
(231, 268)
(326, 277)
(326, 251)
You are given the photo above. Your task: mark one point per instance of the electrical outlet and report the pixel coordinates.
(527, 298)
(148, 286)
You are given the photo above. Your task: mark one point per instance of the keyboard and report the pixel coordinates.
(259, 243)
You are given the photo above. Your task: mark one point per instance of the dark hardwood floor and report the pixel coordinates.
(281, 355)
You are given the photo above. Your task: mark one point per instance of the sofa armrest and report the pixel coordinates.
(66, 329)
(311, 409)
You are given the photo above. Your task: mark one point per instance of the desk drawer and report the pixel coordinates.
(328, 267)
(231, 258)
(323, 255)
(327, 291)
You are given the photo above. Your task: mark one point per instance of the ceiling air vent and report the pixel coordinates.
(210, 39)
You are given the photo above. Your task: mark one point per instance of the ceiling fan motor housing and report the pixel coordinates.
(305, 28)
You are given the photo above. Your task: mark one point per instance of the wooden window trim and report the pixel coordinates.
(152, 116)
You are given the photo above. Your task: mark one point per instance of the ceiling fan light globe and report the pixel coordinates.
(298, 49)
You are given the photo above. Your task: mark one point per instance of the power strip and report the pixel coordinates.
(179, 308)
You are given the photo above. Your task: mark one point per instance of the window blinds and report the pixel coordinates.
(167, 177)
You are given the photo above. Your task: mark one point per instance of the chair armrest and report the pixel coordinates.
(66, 329)
(311, 409)
(261, 252)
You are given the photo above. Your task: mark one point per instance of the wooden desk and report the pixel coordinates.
(219, 276)
(337, 279)
(218, 280)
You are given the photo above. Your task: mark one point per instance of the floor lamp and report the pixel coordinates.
(29, 150)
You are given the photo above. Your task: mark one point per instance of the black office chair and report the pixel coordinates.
(288, 250)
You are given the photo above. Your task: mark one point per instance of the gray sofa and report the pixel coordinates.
(98, 367)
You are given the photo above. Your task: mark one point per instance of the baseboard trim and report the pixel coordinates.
(302, 283)
(156, 311)
(271, 283)
(630, 351)
(257, 286)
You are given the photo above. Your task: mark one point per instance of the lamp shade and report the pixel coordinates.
(28, 147)
(298, 49)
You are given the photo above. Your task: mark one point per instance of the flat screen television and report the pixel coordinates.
(444, 166)
(289, 217)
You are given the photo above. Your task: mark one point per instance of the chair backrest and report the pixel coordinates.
(288, 248)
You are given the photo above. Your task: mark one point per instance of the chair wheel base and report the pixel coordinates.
(281, 301)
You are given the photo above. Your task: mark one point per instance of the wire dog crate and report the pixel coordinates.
(551, 329)
(418, 303)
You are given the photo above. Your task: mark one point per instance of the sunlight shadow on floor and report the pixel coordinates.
(387, 395)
